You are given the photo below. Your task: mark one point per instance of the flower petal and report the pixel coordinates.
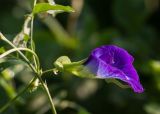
(114, 55)
(114, 62)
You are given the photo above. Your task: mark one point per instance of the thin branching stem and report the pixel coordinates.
(47, 71)
(37, 74)
(16, 49)
(18, 95)
(32, 42)
(23, 56)
(50, 98)
(36, 69)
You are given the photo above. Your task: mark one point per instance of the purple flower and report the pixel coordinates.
(114, 62)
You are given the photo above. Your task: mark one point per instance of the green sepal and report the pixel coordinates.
(61, 61)
(64, 64)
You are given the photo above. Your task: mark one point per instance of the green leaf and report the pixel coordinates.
(42, 7)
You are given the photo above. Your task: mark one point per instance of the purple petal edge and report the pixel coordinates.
(111, 61)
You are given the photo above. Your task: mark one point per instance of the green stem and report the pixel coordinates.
(50, 98)
(18, 95)
(7, 87)
(38, 75)
(24, 57)
(32, 43)
(47, 93)
(32, 20)
(47, 71)
(20, 49)
(36, 70)
(16, 49)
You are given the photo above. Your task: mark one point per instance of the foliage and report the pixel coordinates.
(133, 25)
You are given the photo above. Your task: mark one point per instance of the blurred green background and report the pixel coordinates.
(131, 24)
